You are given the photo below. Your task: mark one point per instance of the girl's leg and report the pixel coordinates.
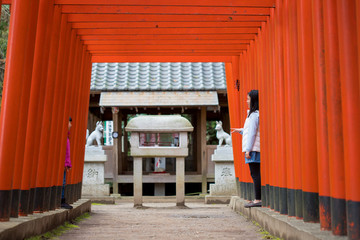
(255, 174)
(63, 188)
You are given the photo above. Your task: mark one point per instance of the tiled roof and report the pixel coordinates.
(179, 76)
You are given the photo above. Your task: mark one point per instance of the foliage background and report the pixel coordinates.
(4, 30)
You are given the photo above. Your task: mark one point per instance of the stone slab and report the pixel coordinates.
(95, 190)
(159, 151)
(95, 154)
(281, 225)
(223, 154)
(217, 199)
(39, 223)
(223, 189)
(101, 199)
(95, 158)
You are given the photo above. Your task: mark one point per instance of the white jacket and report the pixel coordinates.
(252, 120)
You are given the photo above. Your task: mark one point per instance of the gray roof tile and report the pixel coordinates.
(179, 76)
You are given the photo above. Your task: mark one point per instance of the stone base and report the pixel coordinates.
(96, 190)
(228, 189)
(39, 223)
(100, 199)
(217, 199)
(115, 195)
(282, 226)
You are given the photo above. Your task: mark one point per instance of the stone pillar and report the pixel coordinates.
(180, 181)
(138, 182)
(115, 112)
(225, 181)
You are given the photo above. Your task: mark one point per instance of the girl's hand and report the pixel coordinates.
(247, 155)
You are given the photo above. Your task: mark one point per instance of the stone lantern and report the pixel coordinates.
(159, 136)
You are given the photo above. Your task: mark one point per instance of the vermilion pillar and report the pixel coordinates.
(280, 107)
(80, 142)
(76, 85)
(261, 64)
(321, 115)
(307, 114)
(288, 116)
(85, 104)
(66, 106)
(350, 99)
(265, 125)
(295, 109)
(265, 134)
(230, 84)
(50, 194)
(52, 81)
(60, 96)
(41, 58)
(34, 119)
(334, 115)
(274, 171)
(9, 118)
(79, 137)
(23, 112)
(234, 88)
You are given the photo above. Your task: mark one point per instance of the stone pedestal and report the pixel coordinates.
(225, 181)
(93, 175)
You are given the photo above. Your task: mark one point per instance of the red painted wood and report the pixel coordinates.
(119, 25)
(113, 9)
(166, 31)
(161, 18)
(170, 37)
(215, 3)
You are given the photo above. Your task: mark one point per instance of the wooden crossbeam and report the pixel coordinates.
(214, 3)
(167, 47)
(118, 25)
(162, 18)
(165, 9)
(154, 28)
(164, 42)
(161, 58)
(167, 53)
(166, 31)
(170, 37)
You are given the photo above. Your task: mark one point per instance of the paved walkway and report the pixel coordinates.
(163, 221)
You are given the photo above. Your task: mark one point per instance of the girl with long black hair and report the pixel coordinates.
(251, 144)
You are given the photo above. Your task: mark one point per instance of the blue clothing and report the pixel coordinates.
(63, 187)
(255, 157)
(253, 127)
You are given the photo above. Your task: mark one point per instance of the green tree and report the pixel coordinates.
(4, 31)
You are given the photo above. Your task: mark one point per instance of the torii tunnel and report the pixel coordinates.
(302, 56)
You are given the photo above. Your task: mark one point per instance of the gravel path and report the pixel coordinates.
(163, 221)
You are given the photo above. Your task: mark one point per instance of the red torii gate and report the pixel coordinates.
(303, 56)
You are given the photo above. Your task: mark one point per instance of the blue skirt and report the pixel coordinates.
(254, 157)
